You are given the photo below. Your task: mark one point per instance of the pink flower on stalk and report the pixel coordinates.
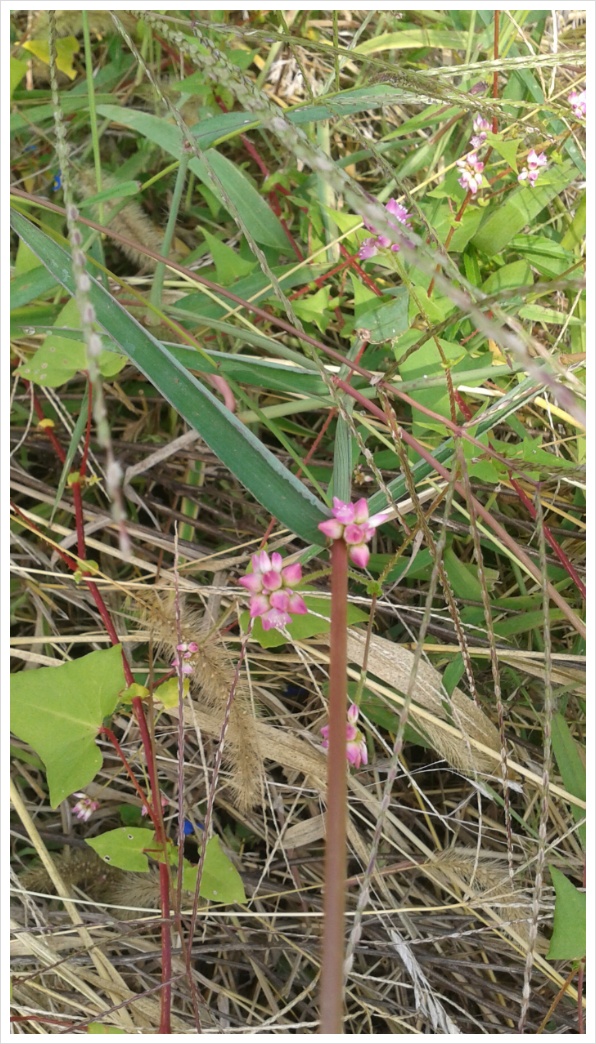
(184, 661)
(470, 168)
(356, 751)
(535, 163)
(371, 245)
(164, 805)
(351, 522)
(271, 588)
(481, 126)
(578, 104)
(85, 806)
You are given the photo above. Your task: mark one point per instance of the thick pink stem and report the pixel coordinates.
(331, 1003)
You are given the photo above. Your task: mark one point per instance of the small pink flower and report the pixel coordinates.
(481, 126)
(371, 245)
(368, 248)
(578, 104)
(356, 751)
(164, 804)
(185, 668)
(535, 163)
(351, 522)
(470, 168)
(271, 587)
(85, 806)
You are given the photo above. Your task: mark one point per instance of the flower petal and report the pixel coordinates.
(360, 511)
(331, 528)
(280, 600)
(296, 604)
(259, 604)
(359, 555)
(253, 582)
(275, 619)
(272, 580)
(292, 574)
(343, 512)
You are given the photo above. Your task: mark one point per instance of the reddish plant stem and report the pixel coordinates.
(558, 550)
(48, 431)
(108, 732)
(580, 990)
(331, 984)
(496, 22)
(154, 808)
(457, 431)
(85, 450)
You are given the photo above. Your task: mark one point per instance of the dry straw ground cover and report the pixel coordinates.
(262, 259)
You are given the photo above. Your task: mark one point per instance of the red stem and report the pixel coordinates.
(567, 565)
(332, 975)
(155, 809)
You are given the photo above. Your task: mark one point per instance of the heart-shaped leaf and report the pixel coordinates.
(58, 711)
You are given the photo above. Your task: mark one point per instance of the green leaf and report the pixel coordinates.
(315, 308)
(18, 69)
(525, 622)
(414, 38)
(98, 1027)
(463, 577)
(229, 266)
(568, 941)
(125, 847)
(220, 880)
(387, 319)
(453, 673)
(260, 220)
(66, 48)
(31, 284)
(572, 768)
(119, 191)
(273, 485)
(58, 711)
(168, 694)
(547, 256)
(316, 621)
(60, 357)
(508, 277)
(507, 148)
(37, 114)
(521, 207)
(575, 234)
(427, 362)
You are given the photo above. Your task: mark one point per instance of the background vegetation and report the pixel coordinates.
(169, 421)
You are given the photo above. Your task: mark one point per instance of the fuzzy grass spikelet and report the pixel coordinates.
(212, 678)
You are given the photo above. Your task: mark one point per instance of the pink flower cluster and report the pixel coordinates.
(535, 163)
(481, 126)
(164, 804)
(187, 649)
(470, 169)
(85, 806)
(469, 166)
(356, 751)
(351, 522)
(578, 104)
(271, 588)
(371, 245)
